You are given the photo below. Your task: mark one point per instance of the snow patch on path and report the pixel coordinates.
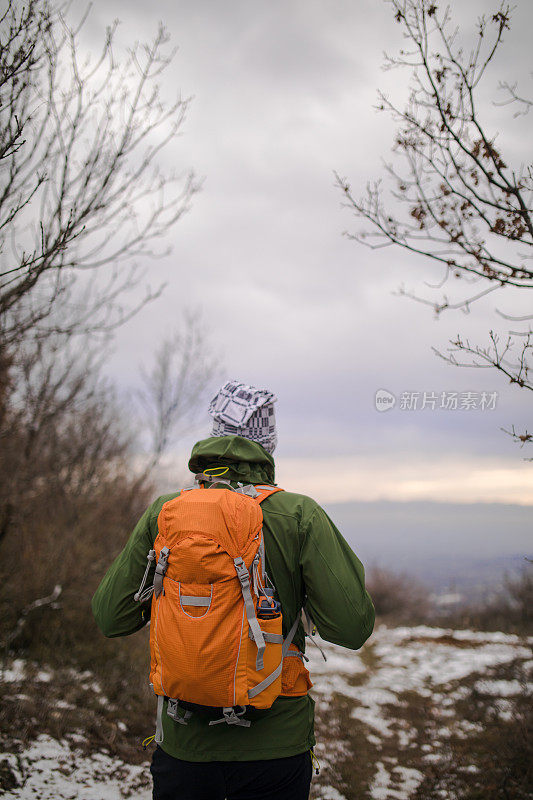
(429, 662)
(410, 659)
(397, 784)
(54, 770)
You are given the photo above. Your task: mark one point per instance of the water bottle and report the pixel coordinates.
(267, 607)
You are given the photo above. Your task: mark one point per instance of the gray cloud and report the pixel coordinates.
(283, 95)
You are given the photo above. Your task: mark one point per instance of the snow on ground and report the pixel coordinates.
(501, 688)
(16, 672)
(411, 659)
(329, 793)
(394, 785)
(52, 770)
(432, 663)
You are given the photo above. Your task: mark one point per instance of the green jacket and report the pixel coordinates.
(306, 556)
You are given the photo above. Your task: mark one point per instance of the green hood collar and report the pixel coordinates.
(247, 461)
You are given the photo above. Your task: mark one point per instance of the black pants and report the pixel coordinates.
(275, 779)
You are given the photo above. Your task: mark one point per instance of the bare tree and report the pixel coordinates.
(80, 188)
(61, 431)
(82, 202)
(66, 433)
(72, 484)
(184, 367)
(457, 200)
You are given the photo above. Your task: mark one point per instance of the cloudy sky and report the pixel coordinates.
(283, 96)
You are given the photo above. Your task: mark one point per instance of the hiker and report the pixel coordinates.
(259, 742)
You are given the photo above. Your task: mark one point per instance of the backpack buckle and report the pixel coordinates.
(172, 711)
(242, 571)
(232, 717)
(249, 491)
(160, 570)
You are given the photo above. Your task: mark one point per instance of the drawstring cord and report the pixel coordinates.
(315, 762)
(140, 596)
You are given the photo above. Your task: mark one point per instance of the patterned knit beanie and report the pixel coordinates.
(242, 410)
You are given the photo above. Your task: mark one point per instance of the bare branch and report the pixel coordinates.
(454, 198)
(80, 143)
(496, 356)
(461, 199)
(175, 386)
(523, 438)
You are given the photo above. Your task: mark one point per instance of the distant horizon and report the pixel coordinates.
(470, 546)
(385, 477)
(428, 501)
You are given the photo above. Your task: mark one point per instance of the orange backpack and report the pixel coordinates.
(216, 638)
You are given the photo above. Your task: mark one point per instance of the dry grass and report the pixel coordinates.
(398, 598)
(493, 763)
(108, 712)
(474, 748)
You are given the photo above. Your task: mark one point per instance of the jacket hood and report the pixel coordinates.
(247, 461)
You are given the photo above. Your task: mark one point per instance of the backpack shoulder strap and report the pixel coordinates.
(264, 491)
(259, 493)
